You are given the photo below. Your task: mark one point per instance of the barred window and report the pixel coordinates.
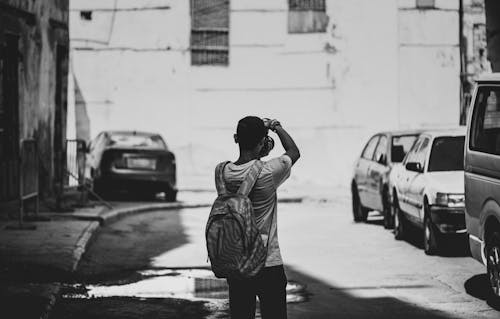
(302, 5)
(426, 4)
(307, 16)
(209, 32)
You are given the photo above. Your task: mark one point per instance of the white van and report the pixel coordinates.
(482, 177)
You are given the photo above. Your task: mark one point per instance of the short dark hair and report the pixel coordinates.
(250, 131)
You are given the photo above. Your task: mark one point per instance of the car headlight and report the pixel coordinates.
(451, 200)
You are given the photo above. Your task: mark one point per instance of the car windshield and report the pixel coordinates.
(447, 154)
(401, 145)
(146, 141)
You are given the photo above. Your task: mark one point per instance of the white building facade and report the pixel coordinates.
(332, 71)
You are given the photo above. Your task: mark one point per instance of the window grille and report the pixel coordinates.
(304, 5)
(209, 32)
(307, 16)
(426, 4)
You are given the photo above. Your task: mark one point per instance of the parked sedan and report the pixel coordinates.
(369, 185)
(428, 188)
(132, 161)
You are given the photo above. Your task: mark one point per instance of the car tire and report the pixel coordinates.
(170, 195)
(493, 265)
(431, 236)
(386, 210)
(359, 212)
(399, 222)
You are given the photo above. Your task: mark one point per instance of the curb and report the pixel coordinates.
(82, 243)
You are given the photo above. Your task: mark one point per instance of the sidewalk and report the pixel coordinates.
(33, 262)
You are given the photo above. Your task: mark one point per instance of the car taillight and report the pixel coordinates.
(166, 162)
(120, 161)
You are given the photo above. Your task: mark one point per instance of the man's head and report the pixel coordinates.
(250, 133)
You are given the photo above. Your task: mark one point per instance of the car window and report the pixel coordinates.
(132, 140)
(370, 148)
(447, 154)
(485, 135)
(422, 151)
(94, 144)
(400, 146)
(381, 150)
(410, 157)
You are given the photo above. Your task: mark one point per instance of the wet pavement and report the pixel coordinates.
(196, 289)
(154, 265)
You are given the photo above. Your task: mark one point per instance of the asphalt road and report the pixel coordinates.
(153, 265)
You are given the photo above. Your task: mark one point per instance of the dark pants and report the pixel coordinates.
(269, 285)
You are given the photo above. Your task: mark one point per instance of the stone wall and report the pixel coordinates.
(42, 28)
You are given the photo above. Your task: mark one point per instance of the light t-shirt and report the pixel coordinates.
(263, 197)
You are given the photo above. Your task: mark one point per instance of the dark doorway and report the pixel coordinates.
(9, 118)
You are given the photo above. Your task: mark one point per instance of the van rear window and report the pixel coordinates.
(485, 134)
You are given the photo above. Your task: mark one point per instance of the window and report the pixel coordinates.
(412, 153)
(131, 141)
(381, 151)
(86, 15)
(485, 134)
(307, 16)
(421, 154)
(400, 146)
(426, 4)
(370, 148)
(447, 154)
(209, 32)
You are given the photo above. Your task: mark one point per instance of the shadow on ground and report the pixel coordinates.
(478, 287)
(120, 249)
(328, 301)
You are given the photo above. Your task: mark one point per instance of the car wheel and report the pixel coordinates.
(493, 264)
(431, 236)
(170, 195)
(386, 211)
(399, 222)
(359, 212)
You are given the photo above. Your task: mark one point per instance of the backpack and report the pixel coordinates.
(235, 247)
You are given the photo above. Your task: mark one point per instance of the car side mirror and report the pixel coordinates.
(414, 167)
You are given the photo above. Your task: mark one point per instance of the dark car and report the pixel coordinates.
(132, 161)
(370, 183)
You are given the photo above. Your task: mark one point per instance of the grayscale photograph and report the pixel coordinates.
(246, 159)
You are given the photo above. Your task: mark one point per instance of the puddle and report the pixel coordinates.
(189, 284)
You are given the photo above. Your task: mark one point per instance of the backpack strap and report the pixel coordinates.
(219, 178)
(249, 181)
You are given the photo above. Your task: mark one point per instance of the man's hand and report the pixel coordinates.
(289, 145)
(271, 124)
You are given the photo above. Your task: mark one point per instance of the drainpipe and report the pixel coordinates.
(464, 87)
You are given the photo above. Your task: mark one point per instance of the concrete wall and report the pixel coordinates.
(332, 89)
(38, 40)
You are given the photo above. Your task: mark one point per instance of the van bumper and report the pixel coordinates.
(449, 220)
(477, 249)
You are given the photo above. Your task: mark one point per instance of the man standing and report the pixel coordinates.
(270, 283)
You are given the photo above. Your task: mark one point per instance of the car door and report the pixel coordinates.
(361, 170)
(417, 183)
(405, 176)
(376, 173)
